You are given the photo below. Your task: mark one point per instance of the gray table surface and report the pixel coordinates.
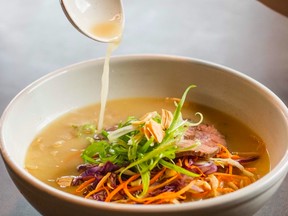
(36, 38)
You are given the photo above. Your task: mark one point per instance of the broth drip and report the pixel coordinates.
(105, 83)
(111, 29)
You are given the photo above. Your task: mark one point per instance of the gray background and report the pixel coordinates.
(36, 38)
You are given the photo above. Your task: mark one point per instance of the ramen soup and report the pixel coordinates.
(148, 153)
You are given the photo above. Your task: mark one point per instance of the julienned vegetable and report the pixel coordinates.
(151, 160)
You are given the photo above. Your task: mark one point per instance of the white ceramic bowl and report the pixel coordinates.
(136, 76)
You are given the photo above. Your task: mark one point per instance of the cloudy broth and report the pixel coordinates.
(56, 149)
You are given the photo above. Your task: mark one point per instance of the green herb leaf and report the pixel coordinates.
(129, 145)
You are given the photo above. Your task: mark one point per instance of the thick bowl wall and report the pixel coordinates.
(145, 76)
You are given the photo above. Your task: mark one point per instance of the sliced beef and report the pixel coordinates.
(209, 138)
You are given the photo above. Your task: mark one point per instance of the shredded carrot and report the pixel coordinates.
(225, 190)
(231, 176)
(120, 179)
(107, 191)
(225, 154)
(234, 156)
(169, 195)
(164, 183)
(99, 185)
(94, 191)
(84, 185)
(142, 200)
(200, 195)
(186, 162)
(180, 162)
(160, 202)
(103, 180)
(223, 182)
(230, 168)
(152, 181)
(238, 180)
(228, 182)
(127, 192)
(120, 187)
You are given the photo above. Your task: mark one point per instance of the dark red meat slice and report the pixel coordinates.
(209, 138)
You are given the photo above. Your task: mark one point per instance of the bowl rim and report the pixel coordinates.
(250, 191)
